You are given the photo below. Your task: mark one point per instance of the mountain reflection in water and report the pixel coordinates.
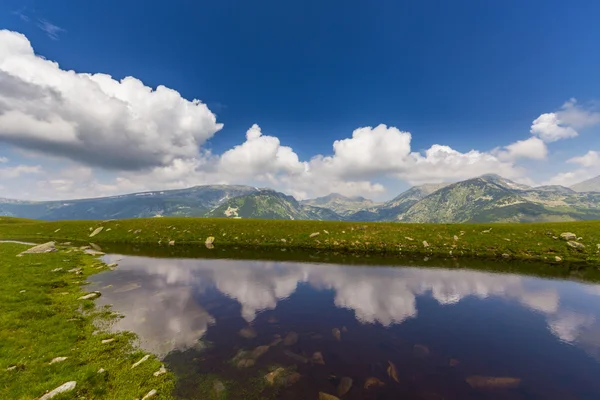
(545, 332)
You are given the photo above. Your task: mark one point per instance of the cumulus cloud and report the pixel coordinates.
(150, 139)
(93, 118)
(261, 157)
(590, 159)
(562, 124)
(589, 167)
(532, 148)
(3, 160)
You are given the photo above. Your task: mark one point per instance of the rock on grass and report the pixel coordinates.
(65, 387)
(48, 247)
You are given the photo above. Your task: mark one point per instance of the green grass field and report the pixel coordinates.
(42, 318)
(526, 241)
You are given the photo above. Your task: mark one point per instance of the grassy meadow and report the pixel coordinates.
(42, 319)
(525, 241)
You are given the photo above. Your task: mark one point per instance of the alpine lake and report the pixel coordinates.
(314, 327)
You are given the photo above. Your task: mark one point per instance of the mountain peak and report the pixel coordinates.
(590, 185)
(505, 183)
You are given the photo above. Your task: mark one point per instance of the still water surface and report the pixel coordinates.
(444, 331)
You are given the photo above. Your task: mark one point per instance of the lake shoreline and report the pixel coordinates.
(536, 242)
(57, 337)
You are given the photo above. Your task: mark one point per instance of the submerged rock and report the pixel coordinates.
(291, 339)
(259, 351)
(492, 382)
(219, 388)
(373, 382)
(271, 376)
(248, 333)
(344, 386)
(317, 358)
(209, 240)
(48, 247)
(336, 333)
(65, 387)
(325, 396)
(421, 350)
(392, 372)
(296, 357)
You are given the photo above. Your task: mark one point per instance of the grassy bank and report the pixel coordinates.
(42, 318)
(535, 241)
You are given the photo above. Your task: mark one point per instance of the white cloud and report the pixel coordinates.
(590, 159)
(17, 171)
(577, 116)
(589, 168)
(122, 136)
(260, 157)
(550, 128)
(92, 118)
(563, 123)
(532, 148)
(3, 160)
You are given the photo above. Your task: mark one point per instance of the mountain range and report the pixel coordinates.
(487, 198)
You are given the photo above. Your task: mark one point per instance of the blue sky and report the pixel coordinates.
(470, 75)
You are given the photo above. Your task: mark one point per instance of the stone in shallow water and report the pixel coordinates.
(325, 396)
(493, 382)
(161, 371)
(373, 382)
(89, 296)
(209, 240)
(317, 358)
(344, 386)
(336, 333)
(248, 333)
(291, 339)
(65, 387)
(58, 359)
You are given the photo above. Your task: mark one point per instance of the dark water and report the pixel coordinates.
(438, 327)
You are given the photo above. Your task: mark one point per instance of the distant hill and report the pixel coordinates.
(269, 204)
(490, 198)
(391, 210)
(591, 185)
(342, 205)
(487, 198)
(192, 202)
